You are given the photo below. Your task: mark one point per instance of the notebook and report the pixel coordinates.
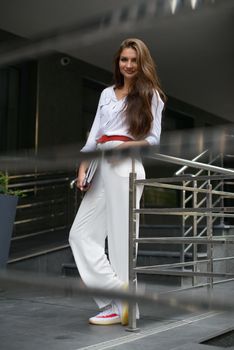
(90, 172)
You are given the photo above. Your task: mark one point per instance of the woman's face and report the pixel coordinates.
(128, 63)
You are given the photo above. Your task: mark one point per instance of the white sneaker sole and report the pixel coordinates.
(102, 322)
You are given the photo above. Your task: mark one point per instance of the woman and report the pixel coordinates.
(128, 115)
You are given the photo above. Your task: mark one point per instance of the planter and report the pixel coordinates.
(8, 205)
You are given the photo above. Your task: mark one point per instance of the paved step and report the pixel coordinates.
(38, 244)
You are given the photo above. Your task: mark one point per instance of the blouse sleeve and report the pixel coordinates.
(91, 141)
(156, 107)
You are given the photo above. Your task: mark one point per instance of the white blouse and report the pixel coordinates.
(110, 119)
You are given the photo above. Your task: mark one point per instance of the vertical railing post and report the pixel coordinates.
(222, 222)
(194, 232)
(209, 235)
(182, 252)
(209, 227)
(132, 327)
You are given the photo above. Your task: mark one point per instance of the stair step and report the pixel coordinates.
(144, 258)
(37, 253)
(37, 244)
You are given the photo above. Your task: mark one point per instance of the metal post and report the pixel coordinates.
(209, 236)
(182, 252)
(222, 221)
(132, 327)
(194, 232)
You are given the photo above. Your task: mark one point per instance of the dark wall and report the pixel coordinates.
(17, 100)
(17, 106)
(180, 115)
(68, 97)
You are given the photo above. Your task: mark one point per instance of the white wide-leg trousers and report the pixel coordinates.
(104, 213)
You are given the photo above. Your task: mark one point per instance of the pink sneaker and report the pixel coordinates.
(107, 317)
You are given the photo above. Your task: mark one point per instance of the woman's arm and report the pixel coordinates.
(133, 144)
(153, 137)
(91, 141)
(89, 147)
(157, 105)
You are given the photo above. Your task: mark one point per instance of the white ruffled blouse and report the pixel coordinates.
(110, 119)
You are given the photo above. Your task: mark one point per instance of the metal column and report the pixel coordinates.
(132, 327)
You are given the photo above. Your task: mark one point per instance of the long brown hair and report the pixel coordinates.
(138, 102)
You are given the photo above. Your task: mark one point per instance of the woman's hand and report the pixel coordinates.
(129, 144)
(115, 159)
(81, 176)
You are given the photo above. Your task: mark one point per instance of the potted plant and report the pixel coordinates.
(8, 203)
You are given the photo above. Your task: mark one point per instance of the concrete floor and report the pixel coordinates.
(31, 318)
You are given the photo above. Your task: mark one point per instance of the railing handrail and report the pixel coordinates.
(193, 164)
(181, 170)
(187, 178)
(40, 182)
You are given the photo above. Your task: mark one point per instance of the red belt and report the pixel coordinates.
(106, 138)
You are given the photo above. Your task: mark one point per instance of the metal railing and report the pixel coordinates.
(44, 213)
(199, 226)
(197, 184)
